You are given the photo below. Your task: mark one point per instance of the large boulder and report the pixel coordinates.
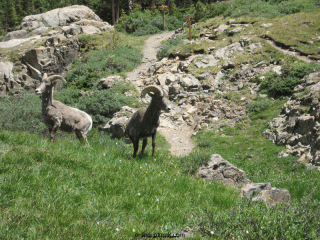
(58, 17)
(221, 170)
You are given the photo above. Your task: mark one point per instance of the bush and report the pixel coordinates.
(282, 85)
(258, 106)
(22, 113)
(145, 23)
(101, 105)
(86, 72)
(167, 46)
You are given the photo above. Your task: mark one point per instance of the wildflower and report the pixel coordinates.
(146, 172)
(247, 232)
(117, 229)
(138, 194)
(133, 230)
(104, 154)
(98, 223)
(212, 232)
(120, 160)
(157, 200)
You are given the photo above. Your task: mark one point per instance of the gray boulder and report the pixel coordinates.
(15, 35)
(58, 17)
(264, 192)
(117, 125)
(221, 170)
(7, 81)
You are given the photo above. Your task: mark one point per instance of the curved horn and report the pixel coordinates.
(56, 78)
(152, 88)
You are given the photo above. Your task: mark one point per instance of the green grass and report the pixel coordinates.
(64, 190)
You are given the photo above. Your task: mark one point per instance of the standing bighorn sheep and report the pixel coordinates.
(145, 120)
(57, 115)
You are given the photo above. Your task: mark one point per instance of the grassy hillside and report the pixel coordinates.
(63, 190)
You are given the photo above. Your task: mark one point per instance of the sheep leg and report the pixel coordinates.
(144, 144)
(53, 130)
(153, 142)
(82, 138)
(135, 145)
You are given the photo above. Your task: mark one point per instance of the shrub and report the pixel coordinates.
(147, 22)
(282, 85)
(86, 72)
(258, 106)
(101, 105)
(167, 46)
(22, 113)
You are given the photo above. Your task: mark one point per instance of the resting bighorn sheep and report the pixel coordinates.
(145, 120)
(57, 115)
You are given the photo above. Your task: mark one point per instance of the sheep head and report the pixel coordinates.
(48, 83)
(159, 97)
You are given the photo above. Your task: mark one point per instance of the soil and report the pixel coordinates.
(177, 133)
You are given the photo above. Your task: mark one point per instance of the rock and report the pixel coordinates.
(7, 81)
(266, 25)
(274, 196)
(15, 34)
(234, 31)
(221, 170)
(189, 82)
(264, 192)
(40, 30)
(251, 190)
(90, 30)
(205, 61)
(108, 82)
(117, 125)
(50, 59)
(221, 29)
(58, 17)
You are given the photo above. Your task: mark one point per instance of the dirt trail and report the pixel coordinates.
(176, 132)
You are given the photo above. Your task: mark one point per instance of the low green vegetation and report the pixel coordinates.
(282, 85)
(147, 22)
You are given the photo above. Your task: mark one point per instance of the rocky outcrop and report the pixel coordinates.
(58, 17)
(298, 126)
(60, 48)
(53, 58)
(7, 81)
(221, 170)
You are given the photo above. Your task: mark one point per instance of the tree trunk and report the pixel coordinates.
(112, 9)
(130, 6)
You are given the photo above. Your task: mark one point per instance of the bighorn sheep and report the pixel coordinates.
(57, 115)
(145, 120)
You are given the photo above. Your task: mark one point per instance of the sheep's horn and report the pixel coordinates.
(152, 88)
(56, 78)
